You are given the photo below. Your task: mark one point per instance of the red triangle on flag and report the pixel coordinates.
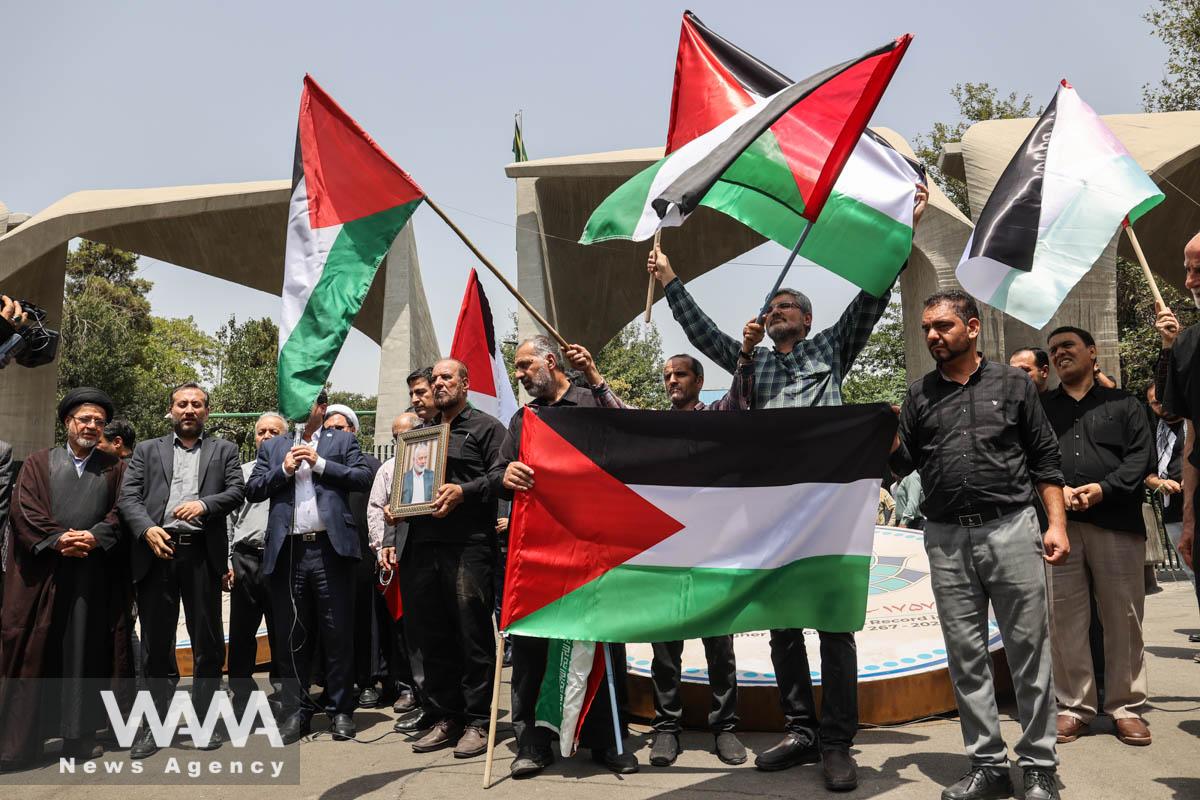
(472, 344)
(706, 93)
(577, 523)
(347, 175)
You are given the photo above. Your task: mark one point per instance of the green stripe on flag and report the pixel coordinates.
(837, 243)
(760, 191)
(307, 356)
(617, 217)
(659, 604)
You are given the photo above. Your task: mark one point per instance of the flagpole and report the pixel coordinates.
(612, 700)
(1141, 257)
(499, 276)
(779, 281)
(650, 285)
(491, 742)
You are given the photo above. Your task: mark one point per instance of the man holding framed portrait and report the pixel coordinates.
(442, 489)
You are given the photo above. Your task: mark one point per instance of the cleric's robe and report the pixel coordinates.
(64, 621)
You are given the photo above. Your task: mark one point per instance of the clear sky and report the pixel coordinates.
(107, 95)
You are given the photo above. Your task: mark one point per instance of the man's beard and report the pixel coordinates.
(83, 443)
(179, 429)
(540, 386)
(951, 353)
(782, 330)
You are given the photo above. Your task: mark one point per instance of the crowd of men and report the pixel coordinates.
(1031, 500)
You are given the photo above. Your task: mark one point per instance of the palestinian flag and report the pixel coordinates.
(573, 674)
(649, 527)
(349, 202)
(475, 344)
(779, 183)
(1053, 211)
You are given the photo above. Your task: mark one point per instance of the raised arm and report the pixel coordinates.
(700, 330)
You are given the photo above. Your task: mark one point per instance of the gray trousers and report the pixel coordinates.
(1000, 562)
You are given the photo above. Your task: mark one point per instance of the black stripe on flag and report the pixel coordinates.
(1007, 229)
(755, 76)
(689, 188)
(775, 447)
(489, 326)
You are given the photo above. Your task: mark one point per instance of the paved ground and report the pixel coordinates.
(911, 761)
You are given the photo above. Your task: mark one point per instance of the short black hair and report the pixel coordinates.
(188, 385)
(1083, 335)
(963, 304)
(697, 367)
(1040, 356)
(122, 428)
(422, 374)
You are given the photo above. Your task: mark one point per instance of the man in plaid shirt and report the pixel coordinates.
(798, 371)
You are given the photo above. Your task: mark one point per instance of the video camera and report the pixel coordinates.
(32, 344)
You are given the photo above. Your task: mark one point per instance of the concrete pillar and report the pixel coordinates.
(533, 276)
(408, 340)
(28, 396)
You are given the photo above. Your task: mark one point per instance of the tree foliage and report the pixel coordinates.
(1177, 23)
(113, 342)
(878, 374)
(244, 375)
(976, 102)
(1137, 339)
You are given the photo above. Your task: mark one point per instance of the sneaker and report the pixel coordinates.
(665, 749)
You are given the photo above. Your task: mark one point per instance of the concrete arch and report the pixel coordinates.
(230, 231)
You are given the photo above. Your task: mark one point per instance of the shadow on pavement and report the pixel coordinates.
(1184, 788)
(1163, 651)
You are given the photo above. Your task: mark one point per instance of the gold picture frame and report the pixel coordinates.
(420, 453)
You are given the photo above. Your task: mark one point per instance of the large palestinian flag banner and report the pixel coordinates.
(1053, 211)
(648, 527)
(792, 173)
(349, 202)
(476, 345)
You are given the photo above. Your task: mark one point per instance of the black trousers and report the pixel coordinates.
(190, 578)
(312, 595)
(447, 592)
(249, 603)
(372, 628)
(665, 669)
(528, 669)
(839, 687)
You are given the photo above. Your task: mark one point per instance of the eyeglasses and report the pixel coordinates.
(784, 307)
(99, 422)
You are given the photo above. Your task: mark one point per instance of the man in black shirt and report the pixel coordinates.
(446, 575)
(1106, 453)
(538, 364)
(976, 431)
(1034, 362)
(1165, 478)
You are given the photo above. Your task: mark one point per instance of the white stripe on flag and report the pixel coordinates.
(762, 527)
(305, 253)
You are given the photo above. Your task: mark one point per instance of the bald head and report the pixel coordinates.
(404, 423)
(1191, 268)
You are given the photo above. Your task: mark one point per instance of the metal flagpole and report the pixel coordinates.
(779, 281)
(612, 700)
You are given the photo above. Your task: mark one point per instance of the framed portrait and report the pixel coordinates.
(420, 470)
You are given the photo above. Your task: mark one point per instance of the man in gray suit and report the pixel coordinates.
(178, 490)
(420, 476)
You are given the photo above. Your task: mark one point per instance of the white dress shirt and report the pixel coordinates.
(307, 516)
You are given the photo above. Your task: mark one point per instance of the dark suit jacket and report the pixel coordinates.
(147, 487)
(346, 470)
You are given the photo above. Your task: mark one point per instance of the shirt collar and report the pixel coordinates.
(76, 458)
(978, 371)
(177, 442)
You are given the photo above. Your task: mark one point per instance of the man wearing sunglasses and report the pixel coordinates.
(797, 371)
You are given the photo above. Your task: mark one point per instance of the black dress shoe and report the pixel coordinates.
(981, 783)
(623, 764)
(368, 697)
(1194, 638)
(143, 746)
(406, 702)
(295, 728)
(342, 727)
(530, 761)
(791, 751)
(839, 770)
(1040, 784)
(421, 722)
(214, 741)
(730, 749)
(665, 749)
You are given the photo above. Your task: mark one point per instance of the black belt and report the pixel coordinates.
(248, 549)
(310, 536)
(185, 537)
(977, 519)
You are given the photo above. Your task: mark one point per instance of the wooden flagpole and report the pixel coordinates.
(491, 743)
(500, 277)
(1159, 305)
(650, 285)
